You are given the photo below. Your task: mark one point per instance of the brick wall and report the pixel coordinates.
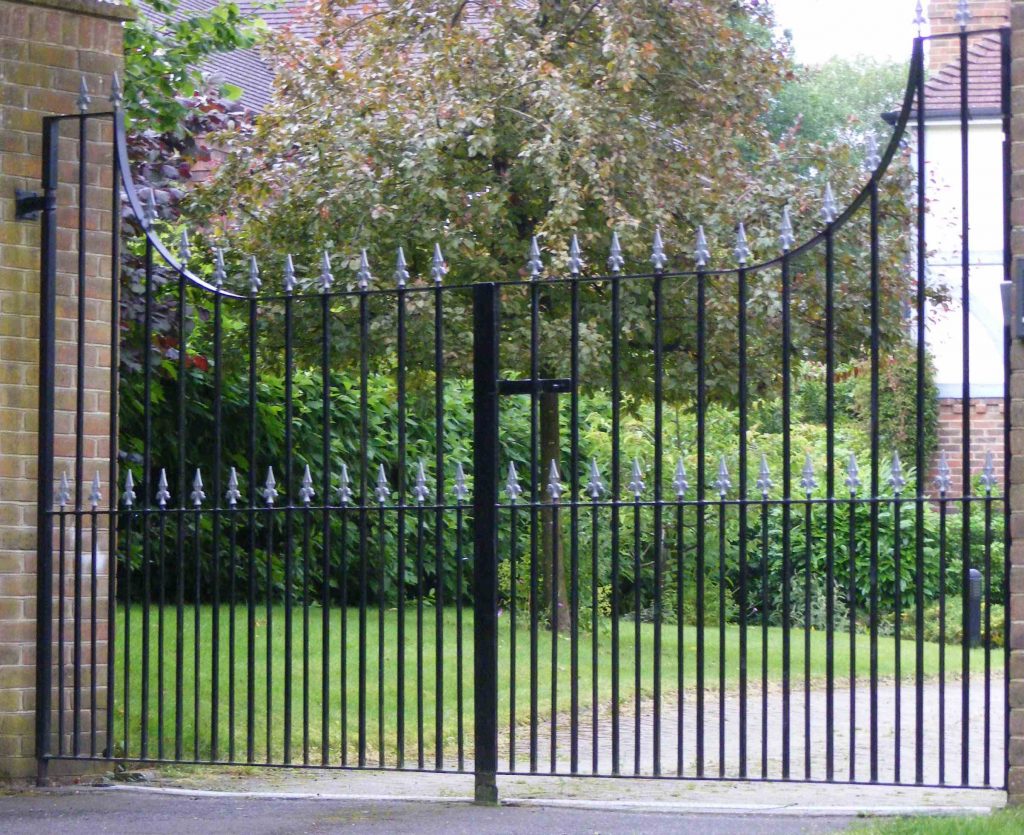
(1016, 614)
(46, 48)
(985, 14)
(986, 423)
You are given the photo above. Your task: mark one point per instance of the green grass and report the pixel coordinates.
(1003, 822)
(449, 690)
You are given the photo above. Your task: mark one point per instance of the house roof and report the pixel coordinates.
(984, 83)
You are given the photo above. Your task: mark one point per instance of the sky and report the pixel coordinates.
(822, 29)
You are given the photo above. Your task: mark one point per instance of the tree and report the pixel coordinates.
(482, 125)
(841, 97)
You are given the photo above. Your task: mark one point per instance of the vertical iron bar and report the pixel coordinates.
(680, 636)
(420, 591)
(61, 595)
(161, 631)
(112, 438)
(232, 628)
(381, 602)
(830, 510)
(305, 632)
(942, 637)
(147, 485)
(615, 490)
(270, 631)
(289, 494)
(79, 432)
(921, 360)
(721, 634)
(701, 487)
(364, 464)
(808, 557)
(787, 494)
(875, 432)
(741, 312)
(851, 603)
(196, 668)
(965, 467)
(93, 600)
(180, 442)
(250, 688)
(556, 622)
(513, 615)
(439, 526)
(325, 534)
(595, 706)
(1007, 111)
(534, 521)
(574, 555)
(343, 631)
(218, 384)
(485, 551)
(764, 636)
(459, 594)
(659, 372)
(897, 663)
(637, 647)
(400, 360)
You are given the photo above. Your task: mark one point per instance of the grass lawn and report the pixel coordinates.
(198, 735)
(1003, 822)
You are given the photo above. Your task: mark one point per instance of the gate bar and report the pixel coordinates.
(486, 302)
(44, 502)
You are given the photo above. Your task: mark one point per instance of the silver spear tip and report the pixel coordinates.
(64, 490)
(401, 274)
(420, 490)
(116, 95)
(764, 477)
(459, 489)
(84, 99)
(233, 494)
(197, 489)
(363, 275)
(680, 482)
(306, 491)
(438, 267)
(96, 494)
(786, 238)
(701, 253)
(163, 495)
(512, 486)
(270, 487)
(658, 257)
(326, 276)
(534, 264)
(254, 275)
(554, 481)
(575, 257)
(636, 485)
(289, 274)
(829, 210)
(595, 487)
(615, 260)
(741, 251)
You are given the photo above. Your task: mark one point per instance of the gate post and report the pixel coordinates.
(485, 540)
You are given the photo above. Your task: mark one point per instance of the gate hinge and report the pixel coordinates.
(28, 204)
(561, 385)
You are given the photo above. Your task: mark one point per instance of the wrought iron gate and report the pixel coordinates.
(299, 576)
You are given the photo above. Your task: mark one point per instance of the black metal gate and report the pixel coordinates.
(677, 561)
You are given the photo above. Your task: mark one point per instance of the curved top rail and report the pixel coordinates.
(914, 79)
(121, 149)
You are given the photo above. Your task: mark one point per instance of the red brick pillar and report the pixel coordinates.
(46, 48)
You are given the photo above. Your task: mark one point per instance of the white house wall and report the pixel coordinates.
(944, 243)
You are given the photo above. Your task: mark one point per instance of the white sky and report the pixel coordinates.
(824, 28)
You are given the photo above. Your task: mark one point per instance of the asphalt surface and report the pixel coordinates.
(92, 811)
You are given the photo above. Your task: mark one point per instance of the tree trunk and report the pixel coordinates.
(552, 564)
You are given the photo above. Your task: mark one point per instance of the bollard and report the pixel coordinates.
(972, 634)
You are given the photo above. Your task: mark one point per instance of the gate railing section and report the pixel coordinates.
(289, 577)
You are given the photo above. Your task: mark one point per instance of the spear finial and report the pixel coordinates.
(96, 493)
(401, 274)
(575, 256)
(680, 482)
(896, 473)
(438, 267)
(595, 487)
(383, 490)
(459, 488)
(807, 479)
(219, 273)
(615, 260)
(988, 474)
(943, 475)
(270, 488)
(636, 485)
(829, 210)
(64, 490)
(658, 257)
(512, 487)
(741, 250)
(764, 478)
(344, 487)
(723, 483)
(128, 496)
(872, 159)
(852, 474)
(289, 274)
(149, 207)
(963, 14)
(786, 238)
(116, 95)
(326, 276)
(420, 490)
(233, 494)
(254, 276)
(554, 481)
(701, 253)
(84, 99)
(197, 489)
(184, 249)
(363, 275)
(919, 18)
(163, 495)
(306, 492)
(534, 264)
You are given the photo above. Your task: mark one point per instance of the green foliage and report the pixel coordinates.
(163, 53)
(837, 99)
